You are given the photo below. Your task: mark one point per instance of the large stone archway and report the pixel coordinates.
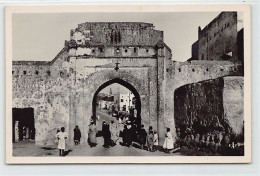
(95, 80)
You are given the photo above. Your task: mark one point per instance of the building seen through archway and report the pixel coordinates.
(116, 100)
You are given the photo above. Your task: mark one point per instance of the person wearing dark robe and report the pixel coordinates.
(106, 134)
(128, 135)
(77, 135)
(124, 135)
(142, 136)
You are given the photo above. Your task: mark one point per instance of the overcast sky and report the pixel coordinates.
(40, 37)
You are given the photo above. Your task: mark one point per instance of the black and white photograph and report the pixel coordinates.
(134, 86)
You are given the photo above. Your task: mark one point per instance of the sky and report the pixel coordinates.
(41, 36)
(114, 87)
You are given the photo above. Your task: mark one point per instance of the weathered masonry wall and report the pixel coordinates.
(182, 73)
(218, 40)
(214, 105)
(233, 103)
(116, 33)
(66, 88)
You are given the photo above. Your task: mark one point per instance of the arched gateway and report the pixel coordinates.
(61, 92)
(125, 84)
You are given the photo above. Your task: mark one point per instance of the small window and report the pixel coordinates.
(12, 72)
(93, 50)
(179, 69)
(167, 70)
(234, 69)
(36, 72)
(126, 50)
(24, 72)
(147, 50)
(207, 69)
(193, 70)
(118, 50)
(221, 69)
(135, 50)
(122, 100)
(49, 72)
(61, 73)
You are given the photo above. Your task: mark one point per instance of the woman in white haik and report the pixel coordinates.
(61, 136)
(168, 142)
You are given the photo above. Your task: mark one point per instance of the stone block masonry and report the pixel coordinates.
(212, 105)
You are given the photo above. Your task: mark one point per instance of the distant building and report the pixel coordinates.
(105, 101)
(117, 99)
(221, 39)
(126, 101)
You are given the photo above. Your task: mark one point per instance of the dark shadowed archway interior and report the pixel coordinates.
(126, 85)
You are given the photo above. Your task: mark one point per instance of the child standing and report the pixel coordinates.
(168, 142)
(150, 140)
(155, 140)
(61, 136)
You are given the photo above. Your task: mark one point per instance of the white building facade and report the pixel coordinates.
(126, 101)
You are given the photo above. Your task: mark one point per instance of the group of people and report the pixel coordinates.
(131, 134)
(110, 133)
(149, 140)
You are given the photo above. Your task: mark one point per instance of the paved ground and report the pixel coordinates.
(27, 148)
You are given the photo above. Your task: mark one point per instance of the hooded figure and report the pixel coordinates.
(92, 134)
(114, 132)
(77, 135)
(128, 134)
(106, 134)
(142, 136)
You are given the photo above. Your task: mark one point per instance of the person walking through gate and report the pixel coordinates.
(61, 136)
(92, 134)
(77, 135)
(150, 140)
(106, 134)
(155, 140)
(168, 142)
(128, 134)
(114, 132)
(142, 136)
